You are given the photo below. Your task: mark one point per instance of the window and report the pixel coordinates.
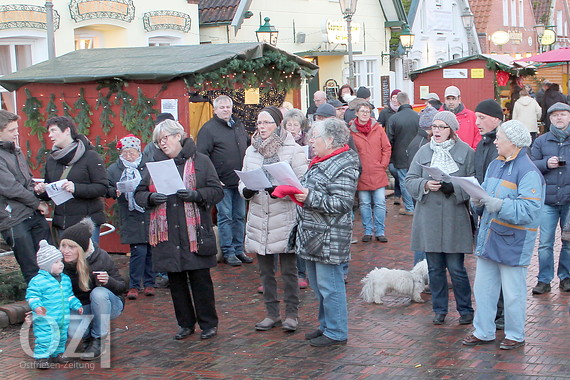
(84, 43)
(163, 41)
(13, 57)
(505, 12)
(513, 13)
(521, 13)
(367, 75)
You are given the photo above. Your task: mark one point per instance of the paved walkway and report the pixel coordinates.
(393, 340)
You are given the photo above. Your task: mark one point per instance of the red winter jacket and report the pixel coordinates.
(468, 131)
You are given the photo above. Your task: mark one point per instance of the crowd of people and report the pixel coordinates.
(341, 153)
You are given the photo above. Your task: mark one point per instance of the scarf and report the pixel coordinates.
(131, 172)
(269, 147)
(158, 226)
(70, 154)
(394, 107)
(317, 159)
(363, 128)
(441, 157)
(560, 134)
(459, 108)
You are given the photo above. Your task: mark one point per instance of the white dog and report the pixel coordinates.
(380, 282)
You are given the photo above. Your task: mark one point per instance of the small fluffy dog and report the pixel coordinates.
(380, 282)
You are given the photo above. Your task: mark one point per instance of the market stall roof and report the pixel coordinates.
(156, 63)
(494, 61)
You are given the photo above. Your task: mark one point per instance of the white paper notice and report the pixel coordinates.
(283, 174)
(471, 186)
(436, 173)
(128, 186)
(254, 179)
(56, 193)
(165, 176)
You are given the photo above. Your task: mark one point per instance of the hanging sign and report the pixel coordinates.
(251, 96)
(337, 32)
(478, 73)
(455, 73)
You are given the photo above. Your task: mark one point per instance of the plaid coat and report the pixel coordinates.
(324, 223)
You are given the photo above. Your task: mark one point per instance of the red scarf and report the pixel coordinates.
(363, 128)
(316, 160)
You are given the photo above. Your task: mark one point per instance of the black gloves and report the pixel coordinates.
(189, 195)
(248, 193)
(270, 191)
(447, 188)
(157, 198)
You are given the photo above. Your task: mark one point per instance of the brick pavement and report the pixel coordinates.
(393, 340)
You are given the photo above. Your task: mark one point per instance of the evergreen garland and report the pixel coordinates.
(82, 119)
(51, 108)
(145, 112)
(66, 108)
(107, 112)
(127, 113)
(32, 109)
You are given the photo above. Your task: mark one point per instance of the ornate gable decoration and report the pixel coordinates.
(82, 10)
(165, 19)
(21, 16)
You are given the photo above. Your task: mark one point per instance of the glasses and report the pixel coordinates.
(314, 137)
(364, 112)
(264, 122)
(438, 127)
(164, 139)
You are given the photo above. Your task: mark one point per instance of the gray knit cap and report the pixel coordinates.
(426, 117)
(448, 118)
(47, 255)
(516, 133)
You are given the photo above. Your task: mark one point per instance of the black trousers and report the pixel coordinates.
(192, 294)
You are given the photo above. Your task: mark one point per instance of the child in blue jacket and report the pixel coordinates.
(50, 297)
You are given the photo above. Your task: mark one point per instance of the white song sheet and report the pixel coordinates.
(469, 184)
(56, 193)
(165, 176)
(128, 186)
(254, 179)
(283, 174)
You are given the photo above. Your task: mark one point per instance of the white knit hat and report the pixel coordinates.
(516, 133)
(47, 255)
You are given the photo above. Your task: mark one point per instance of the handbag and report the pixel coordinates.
(206, 242)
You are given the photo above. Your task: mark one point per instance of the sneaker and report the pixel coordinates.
(508, 344)
(466, 319)
(133, 294)
(325, 341)
(353, 241)
(313, 334)
(565, 284)
(382, 239)
(161, 282)
(148, 291)
(42, 363)
(260, 289)
(302, 283)
(232, 260)
(366, 238)
(397, 201)
(403, 211)
(541, 288)
(244, 258)
(500, 323)
(94, 351)
(60, 359)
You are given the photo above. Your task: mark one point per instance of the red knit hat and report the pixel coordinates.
(395, 92)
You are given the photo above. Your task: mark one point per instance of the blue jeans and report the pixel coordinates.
(140, 267)
(437, 264)
(419, 256)
(328, 284)
(104, 306)
(96, 234)
(397, 191)
(231, 222)
(489, 279)
(406, 196)
(551, 217)
(301, 268)
(366, 198)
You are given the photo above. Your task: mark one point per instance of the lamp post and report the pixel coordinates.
(348, 8)
(540, 28)
(407, 38)
(50, 32)
(267, 33)
(467, 18)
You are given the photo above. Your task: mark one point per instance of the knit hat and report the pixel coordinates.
(275, 114)
(335, 103)
(80, 233)
(490, 107)
(516, 133)
(395, 92)
(448, 118)
(558, 107)
(129, 141)
(363, 93)
(47, 255)
(163, 116)
(452, 91)
(426, 117)
(326, 110)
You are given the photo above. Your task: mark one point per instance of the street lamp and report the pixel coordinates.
(540, 28)
(267, 33)
(407, 38)
(348, 8)
(468, 19)
(50, 29)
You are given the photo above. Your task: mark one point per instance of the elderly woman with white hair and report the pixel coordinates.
(180, 229)
(506, 238)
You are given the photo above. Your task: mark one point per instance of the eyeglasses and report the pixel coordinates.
(364, 111)
(264, 122)
(314, 137)
(164, 139)
(438, 127)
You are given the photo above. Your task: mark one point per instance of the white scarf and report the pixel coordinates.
(131, 172)
(441, 157)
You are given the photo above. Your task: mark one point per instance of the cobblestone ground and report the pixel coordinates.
(393, 340)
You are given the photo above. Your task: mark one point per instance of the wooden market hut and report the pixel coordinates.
(116, 91)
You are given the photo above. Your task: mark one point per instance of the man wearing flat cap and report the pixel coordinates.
(549, 153)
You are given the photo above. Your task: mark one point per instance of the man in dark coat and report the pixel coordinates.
(22, 225)
(551, 96)
(224, 140)
(401, 130)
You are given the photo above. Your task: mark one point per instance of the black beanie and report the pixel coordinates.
(490, 107)
(275, 114)
(80, 233)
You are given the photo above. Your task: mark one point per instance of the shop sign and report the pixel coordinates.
(20, 16)
(337, 32)
(165, 19)
(455, 73)
(548, 38)
(478, 73)
(82, 10)
(515, 37)
(331, 89)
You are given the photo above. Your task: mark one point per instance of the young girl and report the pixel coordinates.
(50, 297)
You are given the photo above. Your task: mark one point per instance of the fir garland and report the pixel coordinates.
(127, 113)
(32, 109)
(107, 112)
(83, 119)
(145, 112)
(66, 108)
(51, 108)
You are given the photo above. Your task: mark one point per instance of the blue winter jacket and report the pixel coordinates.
(508, 236)
(557, 179)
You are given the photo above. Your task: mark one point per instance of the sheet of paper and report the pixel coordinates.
(436, 173)
(254, 179)
(128, 186)
(471, 186)
(283, 174)
(165, 176)
(56, 193)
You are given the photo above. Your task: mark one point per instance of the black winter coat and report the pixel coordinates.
(90, 179)
(133, 225)
(485, 153)
(401, 130)
(385, 115)
(225, 146)
(551, 97)
(174, 255)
